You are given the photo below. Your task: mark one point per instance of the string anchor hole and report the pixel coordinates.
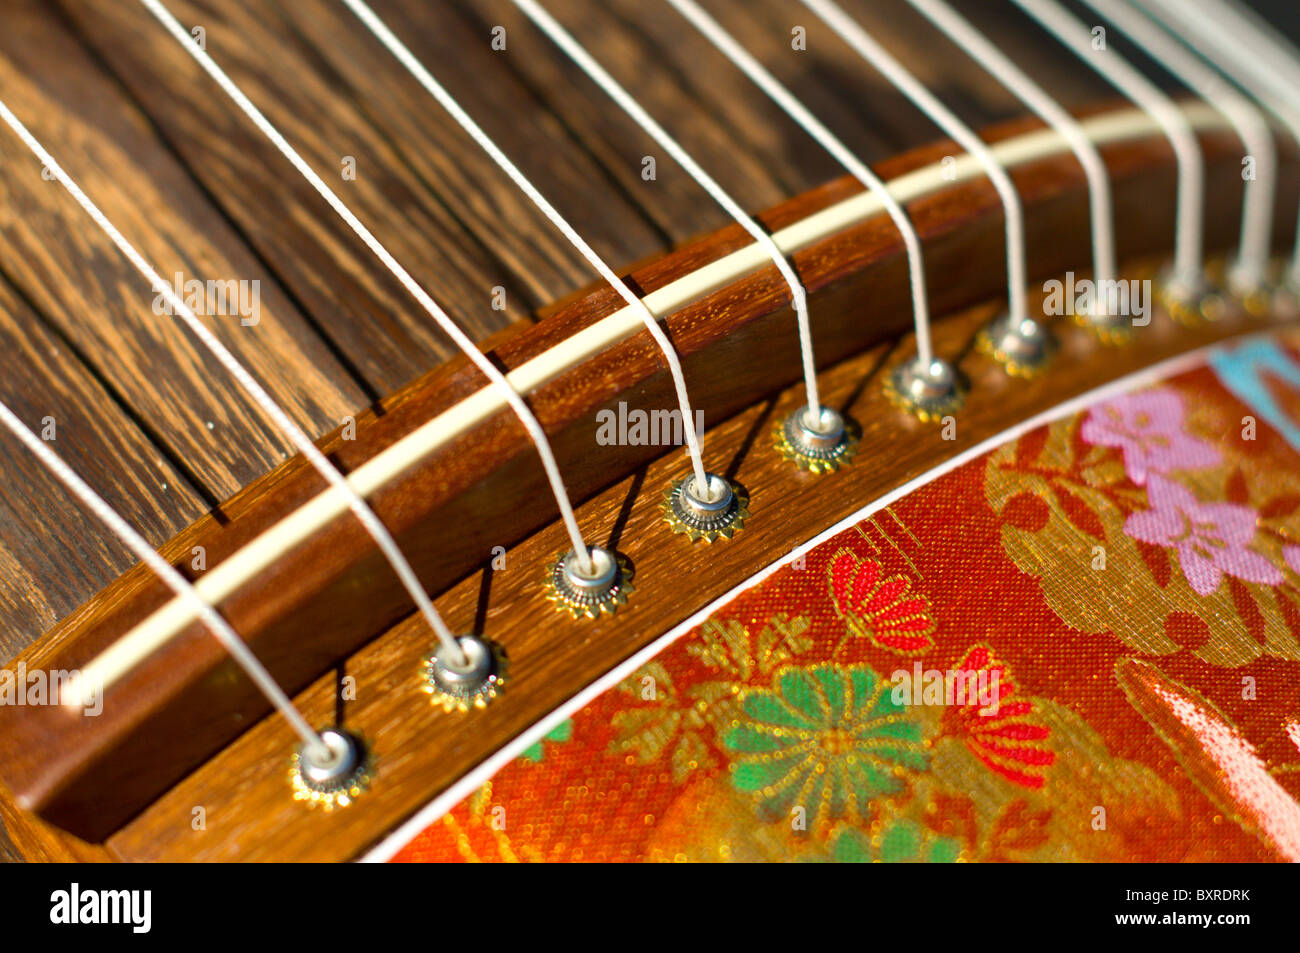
(1263, 295)
(459, 685)
(1023, 347)
(717, 512)
(1193, 299)
(818, 443)
(333, 774)
(927, 391)
(589, 592)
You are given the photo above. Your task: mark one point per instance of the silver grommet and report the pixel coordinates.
(1265, 295)
(1024, 348)
(708, 516)
(589, 591)
(332, 777)
(930, 392)
(1108, 327)
(817, 446)
(1190, 299)
(473, 684)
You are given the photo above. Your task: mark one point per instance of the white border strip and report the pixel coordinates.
(386, 849)
(260, 553)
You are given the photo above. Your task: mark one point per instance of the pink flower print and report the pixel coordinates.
(1292, 556)
(1211, 538)
(1148, 428)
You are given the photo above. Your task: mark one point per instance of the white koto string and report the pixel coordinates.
(1251, 27)
(760, 76)
(1253, 60)
(255, 390)
(444, 321)
(1251, 267)
(862, 43)
(76, 692)
(403, 55)
(1075, 35)
(984, 52)
(563, 39)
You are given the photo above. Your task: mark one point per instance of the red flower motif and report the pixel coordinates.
(882, 610)
(1010, 740)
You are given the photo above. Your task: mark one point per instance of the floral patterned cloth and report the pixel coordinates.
(1084, 645)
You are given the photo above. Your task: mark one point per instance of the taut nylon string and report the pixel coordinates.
(1278, 60)
(778, 93)
(1251, 267)
(255, 390)
(444, 321)
(485, 142)
(599, 75)
(984, 52)
(866, 46)
(261, 552)
(1251, 58)
(76, 693)
(1075, 35)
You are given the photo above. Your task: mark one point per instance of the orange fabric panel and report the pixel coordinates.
(1084, 645)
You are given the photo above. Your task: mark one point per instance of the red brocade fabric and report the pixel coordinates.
(1082, 646)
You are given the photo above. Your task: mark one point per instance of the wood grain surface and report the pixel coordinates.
(198, 190)
(322, 600)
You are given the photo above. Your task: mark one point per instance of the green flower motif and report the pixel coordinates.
(828, 739)
(904, 842)
(561, 732)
